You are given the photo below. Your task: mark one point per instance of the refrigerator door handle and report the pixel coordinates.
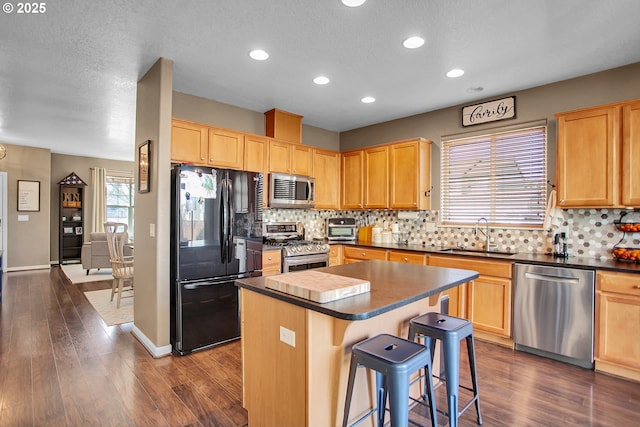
(229, 221)
(223, 236)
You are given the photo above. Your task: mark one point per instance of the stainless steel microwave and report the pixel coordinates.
(291, 191)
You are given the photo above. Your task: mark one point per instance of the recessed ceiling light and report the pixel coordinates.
(368, 99)
(353, 3)
(321, 80)
(258, 54)
(456, 72)
(413, 42)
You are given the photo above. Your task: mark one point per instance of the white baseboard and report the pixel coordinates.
(150, 346)
(29, 267)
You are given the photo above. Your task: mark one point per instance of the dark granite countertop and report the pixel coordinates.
(393, 285)
(541, 259)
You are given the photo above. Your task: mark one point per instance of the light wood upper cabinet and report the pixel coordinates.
(283, 126)
(352, 179)
(631, 153)
(290, 158)
(226, 149)
(189, 142)
(376, 183)
(587, 152)
(617, 321)
(410, 175)
(255, 153)
(597, 150)
(326, 170)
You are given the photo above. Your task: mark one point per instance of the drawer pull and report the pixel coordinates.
(637, 286)
(406, 260)
(269, 258)
(363, 254)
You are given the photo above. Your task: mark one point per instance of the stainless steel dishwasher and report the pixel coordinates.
(553, 309)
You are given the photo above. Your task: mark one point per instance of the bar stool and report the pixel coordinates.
(394, 359)
(450, 331)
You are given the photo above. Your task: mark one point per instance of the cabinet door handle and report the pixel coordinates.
(637, 286)
(406, 260)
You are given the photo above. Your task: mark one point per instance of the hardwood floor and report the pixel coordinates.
(60, 365)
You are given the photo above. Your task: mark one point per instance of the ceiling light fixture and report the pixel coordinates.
(368, 99)
(259, 54)
(413, 42)
(456, 72)
(353, 3)
(321, 80)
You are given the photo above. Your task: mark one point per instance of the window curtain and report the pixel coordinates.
(99, 201)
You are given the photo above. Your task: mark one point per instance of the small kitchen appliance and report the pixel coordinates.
(344, 229)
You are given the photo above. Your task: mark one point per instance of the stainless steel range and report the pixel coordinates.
(297, 253)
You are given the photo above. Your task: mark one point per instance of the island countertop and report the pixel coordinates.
(393, 285)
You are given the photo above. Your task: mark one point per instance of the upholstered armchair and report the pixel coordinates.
(95, 252)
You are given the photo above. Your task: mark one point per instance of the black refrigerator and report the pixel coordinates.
(216, 238)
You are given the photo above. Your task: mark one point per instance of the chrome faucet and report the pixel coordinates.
(485, 232)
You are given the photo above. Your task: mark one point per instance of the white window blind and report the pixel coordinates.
(501, 177)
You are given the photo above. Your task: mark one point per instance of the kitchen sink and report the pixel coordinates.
(476, 252)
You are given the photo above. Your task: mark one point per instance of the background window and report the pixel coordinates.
(120, 190)
(501, 177)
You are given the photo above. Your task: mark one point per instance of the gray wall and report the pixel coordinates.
(27, 241)
(61, 166)
(207, 111)
(533, 104)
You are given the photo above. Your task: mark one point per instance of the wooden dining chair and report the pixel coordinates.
(121, 260)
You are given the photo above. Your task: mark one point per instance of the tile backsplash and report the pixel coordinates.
(590, 232)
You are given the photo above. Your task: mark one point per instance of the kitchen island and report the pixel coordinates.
(296, 352)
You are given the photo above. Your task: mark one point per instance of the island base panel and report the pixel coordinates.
(306, 385)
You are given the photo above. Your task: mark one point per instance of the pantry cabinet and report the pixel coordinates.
(326, 170)
(596, 149)
(617, 323)
(410, 175)
(285, 157)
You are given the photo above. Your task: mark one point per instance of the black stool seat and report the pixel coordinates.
(449, 330)
(394, 359)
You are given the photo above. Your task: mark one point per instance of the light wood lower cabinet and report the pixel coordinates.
(271, 262)
(335, 255)
(361, 253)
(408, 257)
(617, 347)
(485, 301)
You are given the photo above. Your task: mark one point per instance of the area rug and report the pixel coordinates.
(107, 309)
(77, 274)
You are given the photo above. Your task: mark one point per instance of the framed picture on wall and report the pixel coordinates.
(144, 167)
(28, 196)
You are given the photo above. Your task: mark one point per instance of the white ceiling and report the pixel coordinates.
(68, 76)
